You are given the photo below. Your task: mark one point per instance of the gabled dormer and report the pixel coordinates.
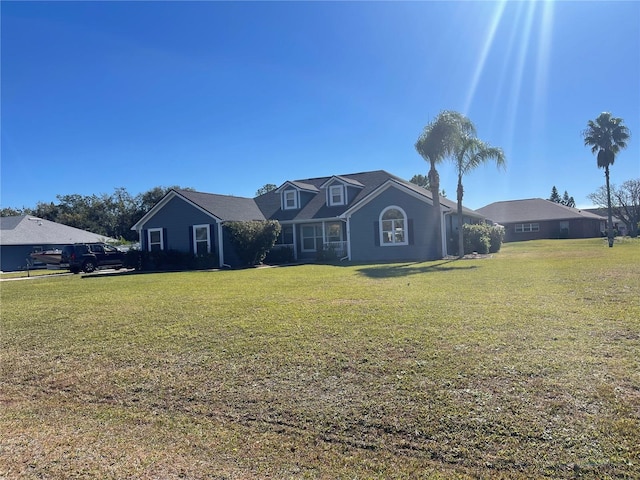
(340, 190)
(295, 195)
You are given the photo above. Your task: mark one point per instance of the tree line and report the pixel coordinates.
(109, 215)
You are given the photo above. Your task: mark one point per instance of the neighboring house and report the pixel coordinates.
(617, 223)
(24, 234)
(369, 216)
(537, 218)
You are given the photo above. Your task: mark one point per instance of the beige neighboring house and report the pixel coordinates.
(536, 218)
(24, 234)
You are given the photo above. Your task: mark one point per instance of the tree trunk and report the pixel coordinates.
(609, 215)
(460, 222)
(434, 183)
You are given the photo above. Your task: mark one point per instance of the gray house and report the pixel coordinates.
(536, 218)
(369, 216)
(24, 234)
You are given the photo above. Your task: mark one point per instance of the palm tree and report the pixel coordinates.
(606, 135)
(470, 153)
(437, 141)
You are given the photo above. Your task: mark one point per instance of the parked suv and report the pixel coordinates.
(89, 256)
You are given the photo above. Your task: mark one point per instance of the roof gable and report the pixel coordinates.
(298, 185)
(220, 208)
(343, 180)
(367, 183)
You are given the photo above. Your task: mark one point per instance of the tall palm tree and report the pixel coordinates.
(606, 135)
(436, 142)
(471, 153)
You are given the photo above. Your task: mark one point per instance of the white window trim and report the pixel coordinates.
(149, 232)
(405, 229)
(330, 201)
(195, 242)
(296, 199)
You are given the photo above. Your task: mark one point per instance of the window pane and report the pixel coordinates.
(334, 232)
(201, 234)
(392, 214)
(287, 235)
(155, 236)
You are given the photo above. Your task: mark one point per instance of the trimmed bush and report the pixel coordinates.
(252, 240)
(280, 255)
(169, 260)
(482, 238)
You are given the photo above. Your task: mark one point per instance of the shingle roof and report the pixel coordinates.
(533, 209)
(30, 230)
(317, 207)
(268, 205)
(225, 207)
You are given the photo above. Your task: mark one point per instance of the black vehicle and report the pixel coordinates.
(90, 256)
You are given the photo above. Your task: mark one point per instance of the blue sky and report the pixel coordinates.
(226, 97)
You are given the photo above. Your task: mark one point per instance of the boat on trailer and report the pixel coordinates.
(48, 257)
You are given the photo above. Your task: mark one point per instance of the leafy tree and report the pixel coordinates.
(266, 188)
(12, 212)
(420, 180)
(108, 215)
(606, 135)
(555, 196)
(436, 142)
(625, 203)
(423, 182)
(253, 239)
(470, 153)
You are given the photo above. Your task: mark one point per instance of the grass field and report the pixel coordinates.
(523, 365)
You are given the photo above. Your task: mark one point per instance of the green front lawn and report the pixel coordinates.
(523, 365)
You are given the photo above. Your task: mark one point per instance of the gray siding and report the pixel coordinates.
(364, 227)
(177, 218)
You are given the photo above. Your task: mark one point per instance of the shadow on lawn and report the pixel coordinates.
(406, 269)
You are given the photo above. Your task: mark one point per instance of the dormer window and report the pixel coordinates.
(336, 195)
(290, 200)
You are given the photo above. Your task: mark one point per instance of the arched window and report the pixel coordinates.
(393, 226)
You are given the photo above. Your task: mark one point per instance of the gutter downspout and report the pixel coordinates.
(221, 247)
(348, 257)
(443, 230)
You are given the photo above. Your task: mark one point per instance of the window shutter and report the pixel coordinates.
(165, 242)
(144, 240)
(410, 231)
(191, 249)
(376, 234)
(212, 237)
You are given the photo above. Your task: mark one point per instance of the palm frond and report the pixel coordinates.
(606, 135)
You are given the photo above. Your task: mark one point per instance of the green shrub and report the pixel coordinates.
(482, 238)
(326, 253)
(252, 240)
(280, 255)
(169, 260)
(496, 236)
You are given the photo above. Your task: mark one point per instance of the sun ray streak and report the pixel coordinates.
(542, 65)
(518, 71)
(486, 49)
